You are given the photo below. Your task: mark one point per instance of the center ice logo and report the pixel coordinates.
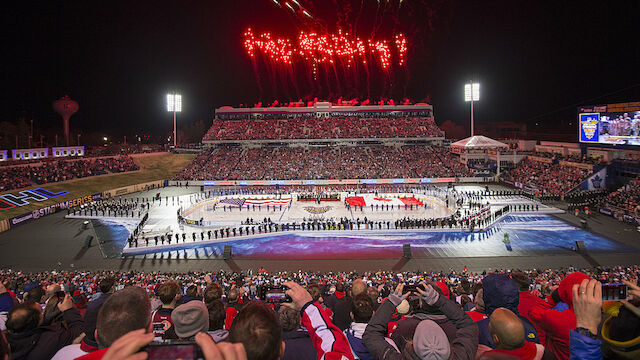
(317, 210)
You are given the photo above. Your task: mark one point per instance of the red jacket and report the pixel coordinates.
(527, 302)
(96, 355)
(558, 324)
(477, 315)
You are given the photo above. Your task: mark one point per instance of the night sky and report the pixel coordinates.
(535, 60)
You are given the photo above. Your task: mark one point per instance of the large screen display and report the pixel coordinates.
(603, 125)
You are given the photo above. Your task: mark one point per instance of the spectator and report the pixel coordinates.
(478, 312)
(6, 304)
(361, 313)
(423, 311)
(89, 342)
(340, 304)
(189, 319)
(4, 347)
(374, 295)
(217, 316)
(29, 339)
(527, 300)
(169, 294)
(298, 344)
(429, 341)
(193, 293)
(499, 291)
(213, 292)
(621, 332)
(126, 310)
(316, 295)
(358, 287)
(583, 340)
(232, 307)
(556, 317)
(507, 332)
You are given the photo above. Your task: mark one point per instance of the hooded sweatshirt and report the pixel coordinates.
(557, 324)
(499, 291)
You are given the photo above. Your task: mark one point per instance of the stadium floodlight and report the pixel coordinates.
(174, 104)
(471, 94)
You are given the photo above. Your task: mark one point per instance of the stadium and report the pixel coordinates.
(303, 181)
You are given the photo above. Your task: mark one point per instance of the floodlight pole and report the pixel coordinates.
(175, 139)
(471, 81)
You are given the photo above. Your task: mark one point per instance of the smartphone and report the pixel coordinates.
(276, 295)
(413, 288)
(614, 291)
(61, 295)
(171, 350)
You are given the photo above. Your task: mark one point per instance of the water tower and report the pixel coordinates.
(65, 107)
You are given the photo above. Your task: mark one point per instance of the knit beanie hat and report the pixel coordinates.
(430, 341)
(190, 318)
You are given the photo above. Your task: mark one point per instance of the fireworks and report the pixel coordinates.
(327, 49)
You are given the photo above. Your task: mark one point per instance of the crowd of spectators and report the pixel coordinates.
(627, 198)
(546, 178)
(336, 162)
(571, 158)
(49, 171)
(511, 314)
(323, 128)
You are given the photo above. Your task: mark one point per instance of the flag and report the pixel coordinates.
(368, 200)
(232, 202)
(265, 202)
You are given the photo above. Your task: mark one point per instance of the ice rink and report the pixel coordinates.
(305, 210)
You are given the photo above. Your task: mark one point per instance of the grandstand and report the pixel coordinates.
(323, 121)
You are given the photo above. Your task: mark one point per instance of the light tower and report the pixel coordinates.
(472, 93)
(65, 107)
(174, 104)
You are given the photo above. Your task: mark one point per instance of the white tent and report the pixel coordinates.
(478, 142)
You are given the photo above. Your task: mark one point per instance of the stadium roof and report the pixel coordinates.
(479, 142)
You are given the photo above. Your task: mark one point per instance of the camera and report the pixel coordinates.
(413, 288)
(614, 291)
(60, 295)
(173, 349)
(276, 294)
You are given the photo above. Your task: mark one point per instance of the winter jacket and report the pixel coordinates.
(341, 306)
(6, 304)
(476, 314)
(91, 319)
(407, 327)
(232, 309)
(529, 351)
(298, 345)
(527, 302)
(354, 335)
(464, 346)
(329, 342)
(499, 291)
(583, 347)
(44, 341)
(557, 324)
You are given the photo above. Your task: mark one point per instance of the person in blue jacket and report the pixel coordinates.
(584, 343)
(499, 291)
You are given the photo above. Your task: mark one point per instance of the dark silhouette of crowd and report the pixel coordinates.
(323, 128)
(50, 171)
(336, 162)
(503, 314)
